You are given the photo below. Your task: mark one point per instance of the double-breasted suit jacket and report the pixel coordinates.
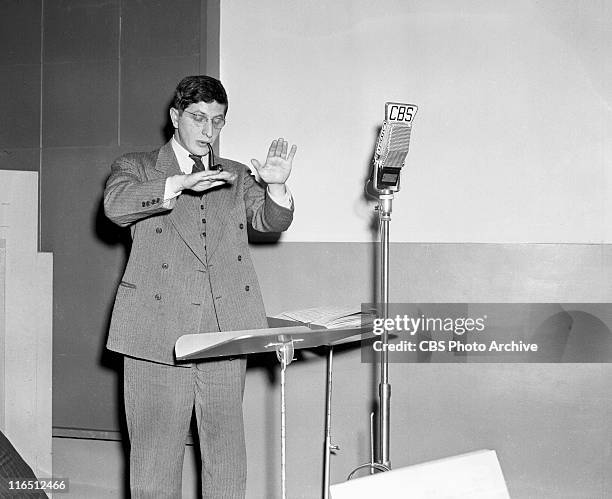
(189, 268)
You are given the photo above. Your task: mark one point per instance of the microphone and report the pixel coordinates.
(392, 146)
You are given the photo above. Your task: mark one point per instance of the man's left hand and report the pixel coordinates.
(278, 164)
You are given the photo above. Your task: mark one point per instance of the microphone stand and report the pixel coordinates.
(389, 157)
(384, 209)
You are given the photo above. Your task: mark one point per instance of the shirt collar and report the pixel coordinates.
(182, 156)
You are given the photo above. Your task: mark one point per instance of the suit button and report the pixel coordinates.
(164, 266)
(201, 206)
(158, 296)
(158, 230)
(239, 258)
(203, 234)
(203, 220)
(241, 226)
(246, 288)
(144, 204)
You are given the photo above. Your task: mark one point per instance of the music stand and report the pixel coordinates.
(282, 340)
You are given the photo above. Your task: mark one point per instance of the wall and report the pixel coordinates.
(511, 140)
(89, 81)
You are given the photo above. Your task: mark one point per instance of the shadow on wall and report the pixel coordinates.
(573, 336)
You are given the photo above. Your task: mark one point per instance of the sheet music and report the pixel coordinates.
(329, 316)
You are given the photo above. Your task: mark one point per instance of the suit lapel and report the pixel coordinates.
(182, 215)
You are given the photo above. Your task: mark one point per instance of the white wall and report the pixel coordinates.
(2, 328)
(512, 139)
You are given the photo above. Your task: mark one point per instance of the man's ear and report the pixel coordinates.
(174, 116)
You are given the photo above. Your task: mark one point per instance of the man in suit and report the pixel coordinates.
(189, 271)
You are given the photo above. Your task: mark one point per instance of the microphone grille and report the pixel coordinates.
(395, 144)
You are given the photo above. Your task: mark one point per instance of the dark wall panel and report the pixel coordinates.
(20, 159)
(20, 84)
(89, 254)
(20, 32)
(80, 104)
(20, 106)
(81, 31)
(147, 86)
(161, 28)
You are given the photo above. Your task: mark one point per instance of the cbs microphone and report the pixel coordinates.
(392, 146)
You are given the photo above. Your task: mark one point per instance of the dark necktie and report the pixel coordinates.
(198, 166)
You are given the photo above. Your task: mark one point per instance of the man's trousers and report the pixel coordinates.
(159, 402)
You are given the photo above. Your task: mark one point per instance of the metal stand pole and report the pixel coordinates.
(385, 208)
(283, 435)
(284, 353)
(329, 447)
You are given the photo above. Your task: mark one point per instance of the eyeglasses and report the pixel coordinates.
(218, 122)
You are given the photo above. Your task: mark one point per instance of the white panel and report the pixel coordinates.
(476, 475)
(2, 324)
(28, 323)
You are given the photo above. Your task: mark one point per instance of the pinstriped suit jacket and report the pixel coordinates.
(171, 273)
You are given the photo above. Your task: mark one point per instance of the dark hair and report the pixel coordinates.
(193, 89)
